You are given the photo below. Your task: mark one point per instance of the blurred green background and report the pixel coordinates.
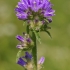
(55, 50)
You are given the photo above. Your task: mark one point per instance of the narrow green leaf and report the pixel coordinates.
(18, 55)
(37, 36)
(48, 33)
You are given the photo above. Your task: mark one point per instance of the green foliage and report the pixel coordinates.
(37, 36)
(18, 55)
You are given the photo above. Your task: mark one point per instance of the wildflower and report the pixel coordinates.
(30, 9)
(21, 62)
(27, 56)
(40, 62)
(20, 38)
(25, 42)
(25, 61)
(37, 14)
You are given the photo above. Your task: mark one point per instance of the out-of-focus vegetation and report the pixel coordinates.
(55, 50)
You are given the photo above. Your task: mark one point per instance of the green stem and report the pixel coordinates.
(34, 50)
(27, 29)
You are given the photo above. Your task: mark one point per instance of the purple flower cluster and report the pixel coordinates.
(27, 57)
(29, 9)
(25, 42)
(25, 60)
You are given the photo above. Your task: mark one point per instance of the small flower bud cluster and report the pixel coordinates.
(39, 25)
(26, 61)
(25, 42)
(40, 63)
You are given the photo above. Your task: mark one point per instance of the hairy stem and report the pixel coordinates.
(34, 50)
(27, 29)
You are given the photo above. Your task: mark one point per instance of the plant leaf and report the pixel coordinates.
(48, 33)
(18, 55)
(37, 36)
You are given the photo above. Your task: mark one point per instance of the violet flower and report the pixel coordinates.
(27, 8)
(27, 56)
(20, 38)
(25, 41)
(19, 47)
(41, 61)
(23, 61)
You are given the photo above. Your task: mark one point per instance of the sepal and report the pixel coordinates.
(18, 55)
(48, 33)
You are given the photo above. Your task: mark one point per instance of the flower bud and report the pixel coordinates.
(25, 42)
(40, 62)
(26, 61)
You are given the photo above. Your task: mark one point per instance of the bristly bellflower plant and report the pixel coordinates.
(36, 14)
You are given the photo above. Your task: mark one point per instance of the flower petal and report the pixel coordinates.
(41, 61)
(20, 38)
(21, 62)
(21, 16)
